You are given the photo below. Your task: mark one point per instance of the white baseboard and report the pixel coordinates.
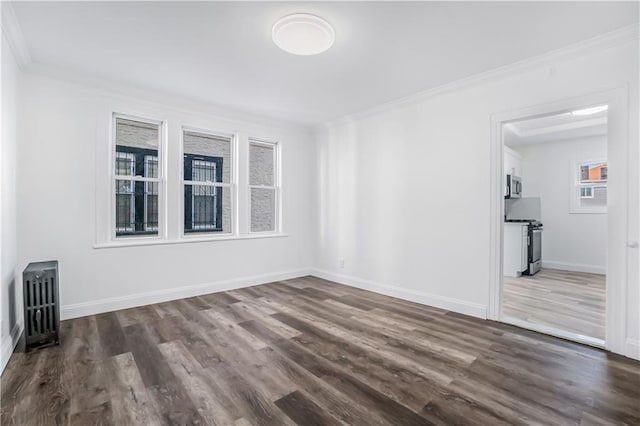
(633, 349)
(9, 344)
(140, 299)
(574, 267)
(442, 302)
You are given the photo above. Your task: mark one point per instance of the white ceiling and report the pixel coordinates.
(222, 53)
(554, 128)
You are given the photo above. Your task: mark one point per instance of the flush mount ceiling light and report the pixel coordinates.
(303, 34)
(589, 111)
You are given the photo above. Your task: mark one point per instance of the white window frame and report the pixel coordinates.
(159, 180)
(575, 188)
(146, 192)
(232, 185)
(277, 186)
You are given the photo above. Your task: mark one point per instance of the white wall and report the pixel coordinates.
(11, 81)
(569, 241)
(405, 188)
(64, 135)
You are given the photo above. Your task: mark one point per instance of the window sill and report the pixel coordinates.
(185, 240)
(587, 210)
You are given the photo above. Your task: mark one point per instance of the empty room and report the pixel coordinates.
(320, 213)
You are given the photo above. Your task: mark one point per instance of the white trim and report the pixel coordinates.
(574, 267)
(540, 328)
(617, 218)
(14, 36)
(76, 310)
(633, 349)
(140, 241)
(456, 305)
(206, 183)
(582, 48)
(9, 344)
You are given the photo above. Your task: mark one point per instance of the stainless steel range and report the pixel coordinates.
(534, 245)
(535, 248)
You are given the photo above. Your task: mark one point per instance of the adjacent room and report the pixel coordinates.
(555, 230)
(320, 213)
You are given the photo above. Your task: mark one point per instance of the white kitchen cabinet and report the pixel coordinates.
(512, 162)
(515, 249)
(512, 166)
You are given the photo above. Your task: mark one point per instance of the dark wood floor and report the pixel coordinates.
(311, 352)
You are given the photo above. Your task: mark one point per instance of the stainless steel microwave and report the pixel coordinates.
(514, 187)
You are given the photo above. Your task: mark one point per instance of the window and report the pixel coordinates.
(138, 205)
(586, 192)
(207, 183)
(604, 172)
(136, 177)
(263, 186)
(589, 190)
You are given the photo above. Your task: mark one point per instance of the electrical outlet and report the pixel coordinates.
(341, 263)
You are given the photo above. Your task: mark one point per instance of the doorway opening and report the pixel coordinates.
(559, 278)
(555, 223)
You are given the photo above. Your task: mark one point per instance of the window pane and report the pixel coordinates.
(125, 164)
(210, 156)
(150, 166)
(151, 206)
(586, 192)
(261, 165)
(125, 206)
(596, 196)
(207, 209)
(203, 171)
(593, 172)
(134, 140)
(263, 209)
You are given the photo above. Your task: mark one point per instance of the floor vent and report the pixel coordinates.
(41, 304)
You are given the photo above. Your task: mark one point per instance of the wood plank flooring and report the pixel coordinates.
(312, 352)
(565, 300)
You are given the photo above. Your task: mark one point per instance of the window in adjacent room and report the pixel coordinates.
(207, 183)
(263, 186)
(137, 178)
(590, 187)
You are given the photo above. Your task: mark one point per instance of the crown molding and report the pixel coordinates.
(13, 34)
(596, 44)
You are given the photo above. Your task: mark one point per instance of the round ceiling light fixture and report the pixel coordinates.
(303, 34)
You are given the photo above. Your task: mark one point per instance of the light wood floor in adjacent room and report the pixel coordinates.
(311, 352)
(570, 301)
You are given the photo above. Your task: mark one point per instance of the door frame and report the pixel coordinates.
(617, 201)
